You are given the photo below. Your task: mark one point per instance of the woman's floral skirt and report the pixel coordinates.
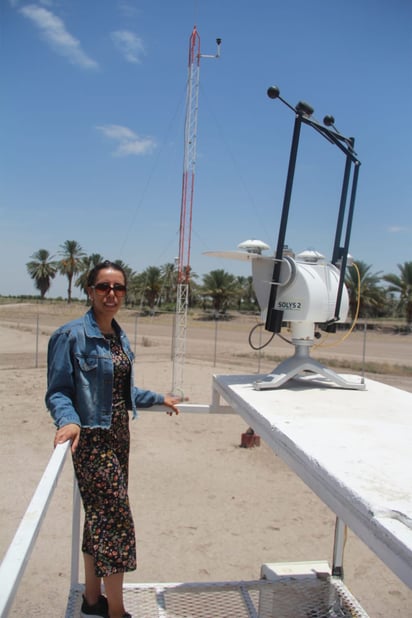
(101, 464)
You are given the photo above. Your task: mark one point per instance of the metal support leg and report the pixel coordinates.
(339, 547)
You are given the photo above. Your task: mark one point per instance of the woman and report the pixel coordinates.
(90, 390)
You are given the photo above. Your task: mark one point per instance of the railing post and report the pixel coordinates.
(74, 570)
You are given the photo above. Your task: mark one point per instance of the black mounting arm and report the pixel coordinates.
(303, 114)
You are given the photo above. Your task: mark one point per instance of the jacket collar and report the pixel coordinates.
(92, 328)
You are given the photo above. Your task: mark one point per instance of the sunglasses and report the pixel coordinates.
(104, 288)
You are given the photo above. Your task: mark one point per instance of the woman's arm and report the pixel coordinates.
(145, 399)
(60, 381)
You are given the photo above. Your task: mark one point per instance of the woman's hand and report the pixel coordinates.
(170, 401)
(68, 432)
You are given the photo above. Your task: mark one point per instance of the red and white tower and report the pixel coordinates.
(186, 208)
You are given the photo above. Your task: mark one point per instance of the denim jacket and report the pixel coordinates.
(80, 375)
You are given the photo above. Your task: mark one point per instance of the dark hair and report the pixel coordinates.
(91, 279)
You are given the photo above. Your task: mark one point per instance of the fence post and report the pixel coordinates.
(36, 363)
(215, 350)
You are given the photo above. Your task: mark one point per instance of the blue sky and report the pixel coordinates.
(92, 104)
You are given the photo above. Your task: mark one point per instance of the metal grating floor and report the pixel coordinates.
(289, 597)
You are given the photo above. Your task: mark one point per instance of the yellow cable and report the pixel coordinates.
(355, 319)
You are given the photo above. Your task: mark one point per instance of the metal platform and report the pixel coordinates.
(307, 596)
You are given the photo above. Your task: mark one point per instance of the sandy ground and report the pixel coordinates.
(205, 509)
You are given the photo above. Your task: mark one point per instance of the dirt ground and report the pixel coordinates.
(205, 509)
(209, 342)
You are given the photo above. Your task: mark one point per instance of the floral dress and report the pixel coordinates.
(101, 464)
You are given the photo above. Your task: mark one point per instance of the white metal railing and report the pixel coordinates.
(18, 554)
(19, 551)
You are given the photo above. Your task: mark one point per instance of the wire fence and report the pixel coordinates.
(213, 341)
(231, 341)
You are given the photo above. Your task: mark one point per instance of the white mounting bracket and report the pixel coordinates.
(300, 363)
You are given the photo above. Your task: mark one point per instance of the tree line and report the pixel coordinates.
(371, 295)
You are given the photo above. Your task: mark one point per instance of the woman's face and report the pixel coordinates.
(107, 302)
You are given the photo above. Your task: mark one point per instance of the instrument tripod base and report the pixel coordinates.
(299, 365)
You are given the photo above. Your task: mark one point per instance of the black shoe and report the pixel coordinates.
(98, 610)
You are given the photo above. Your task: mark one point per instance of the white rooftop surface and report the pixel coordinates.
(353, 448)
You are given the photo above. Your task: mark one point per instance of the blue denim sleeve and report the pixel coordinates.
(145, 399)
(60, 382)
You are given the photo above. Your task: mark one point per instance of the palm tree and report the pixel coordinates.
(87, 264)
(169, 276)
(222, 287)
(151, 285)
(42, 270)
(134, 288)
(71, 262)
(247, 298)
(402, 285)
(193, 287)
(129, 272)
(363, 287)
